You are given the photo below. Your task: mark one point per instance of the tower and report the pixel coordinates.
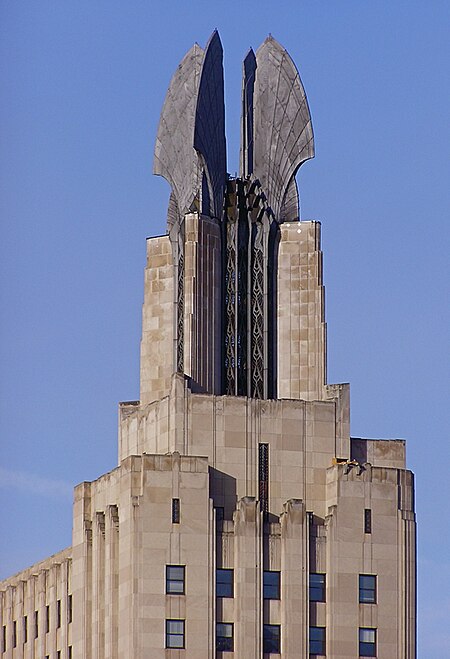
(242, 519)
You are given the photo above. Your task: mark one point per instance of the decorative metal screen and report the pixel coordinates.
(263, 473)
(180, 309)
(248, 288)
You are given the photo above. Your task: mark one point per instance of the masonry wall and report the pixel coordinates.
(36, 611)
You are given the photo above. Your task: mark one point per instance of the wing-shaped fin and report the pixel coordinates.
(248, 86)
(175, 158)
(209, 131)
(283, 135)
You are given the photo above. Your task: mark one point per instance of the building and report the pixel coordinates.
(242, 519)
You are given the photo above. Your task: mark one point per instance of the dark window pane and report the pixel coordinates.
(271, 639)
(367, 642)
(174, 633)
(224, 637)
(271, 585)
(367, 588)
(175, 579)
(317, 585)
(69, 608)
(317, 640)
(224, 583)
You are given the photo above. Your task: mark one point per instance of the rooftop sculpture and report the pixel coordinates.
(276, 131)
(190, 153)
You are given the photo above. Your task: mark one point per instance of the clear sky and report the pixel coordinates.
(82, 84)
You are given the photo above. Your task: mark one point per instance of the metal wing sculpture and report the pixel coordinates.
(282, 130)
(190, 142)
(209, 133)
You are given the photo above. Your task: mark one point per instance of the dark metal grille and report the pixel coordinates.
(263, 471)
(230, 304)
(257, 390)
(175, 511)
(367, 520)
(180, 311)
(249, 303)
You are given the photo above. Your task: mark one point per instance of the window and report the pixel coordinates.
(224, 583)
(271, 639)
(367, 642)
(271, 585)
(14, 638)
(36, 624)
(25, 629)
(317, 585)
(317, 641)
(367, 589)
(58, 654)
(175, 511)
(69, 653)
(219, 513)
(47, 619)
(69, 608)
(175, 579)
(58, 614)
(175, 634)
(367, 520)
(224, 637)
(4, 638)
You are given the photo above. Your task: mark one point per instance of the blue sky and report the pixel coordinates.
(82, 85)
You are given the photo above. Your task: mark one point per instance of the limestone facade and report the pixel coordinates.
(242, 519)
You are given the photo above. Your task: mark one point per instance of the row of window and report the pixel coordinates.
(175, 638)
(36, 624)
(367, 641)
(367, 588)
(175, 580)
(58, 653)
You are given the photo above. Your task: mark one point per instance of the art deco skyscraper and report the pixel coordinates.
(242, 519)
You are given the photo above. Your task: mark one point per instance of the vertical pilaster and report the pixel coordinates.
(111, 581)
(248, 567)
(294, 576)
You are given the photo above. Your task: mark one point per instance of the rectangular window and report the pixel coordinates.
(219, 513)
(224, 637)
(58, 654)
(69, 653)
(47, 619)
(271, 639)
(367, 642)
(36, 624)
(25, 629)
(317, 587)
(224, 583)
(175, 634)
(317, 641)
(271, 585)
(4, 638)
(175, 579)
(367, 588)
(58, 614)
(175, 511)
(14, 638)
(69, 609)
(367, 520)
